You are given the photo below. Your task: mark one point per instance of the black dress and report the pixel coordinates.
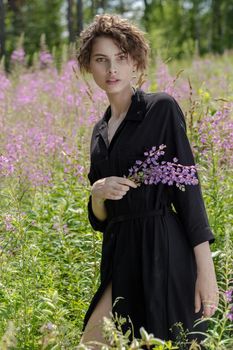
(147, 249)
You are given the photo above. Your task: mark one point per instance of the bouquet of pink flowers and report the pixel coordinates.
(151, 172)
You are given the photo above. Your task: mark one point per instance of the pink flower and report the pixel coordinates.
(230, 316)
(151, 172)
(18, 56)
(228, 295)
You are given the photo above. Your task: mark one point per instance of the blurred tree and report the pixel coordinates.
(93, 8)
(227, 25)
(74, 18)
(113, 6)
(79, 16)
(175, 27)
(70, 20)
(47, 16)
(33, 18)
(2, 29)
(163, 20)
(179, 27)
(153, 10)
(96, 5)
(195, 23)
(103, 4)
(122, 7)
(216, 27)
(15, 27)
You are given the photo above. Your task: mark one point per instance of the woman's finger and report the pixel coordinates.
(120, 187)
(115, 192)
(125, 181)
(197, 301)
(209, 309)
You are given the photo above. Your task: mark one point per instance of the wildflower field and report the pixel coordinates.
(49, 254)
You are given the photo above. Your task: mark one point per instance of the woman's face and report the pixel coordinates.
(108, 62)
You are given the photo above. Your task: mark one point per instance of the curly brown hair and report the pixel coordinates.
(129, 38)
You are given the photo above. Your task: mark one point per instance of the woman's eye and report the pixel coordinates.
(102, 59)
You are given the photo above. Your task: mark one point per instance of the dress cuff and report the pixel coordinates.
(203, 235)
(97, 225)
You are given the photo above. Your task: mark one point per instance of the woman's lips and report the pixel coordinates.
(112, 82)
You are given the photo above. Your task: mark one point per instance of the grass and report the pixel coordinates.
(49, 254)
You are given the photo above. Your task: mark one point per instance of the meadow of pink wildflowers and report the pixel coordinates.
(49, 255)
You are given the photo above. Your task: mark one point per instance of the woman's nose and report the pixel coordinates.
(112, 67)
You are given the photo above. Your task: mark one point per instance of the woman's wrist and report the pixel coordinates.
(204, 259)
(97, 199)
(98, 207)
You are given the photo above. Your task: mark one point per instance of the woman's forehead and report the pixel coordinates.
(104, 43)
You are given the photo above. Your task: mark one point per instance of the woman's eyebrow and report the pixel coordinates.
(101, 54)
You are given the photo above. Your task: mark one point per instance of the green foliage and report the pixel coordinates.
(182, 28)
(49, 267)
(176, 29)
(34, 18)
(50, 256)
(221, 328)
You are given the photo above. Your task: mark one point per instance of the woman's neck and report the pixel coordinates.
(120, 102)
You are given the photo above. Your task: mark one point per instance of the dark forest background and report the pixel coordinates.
(175, 28)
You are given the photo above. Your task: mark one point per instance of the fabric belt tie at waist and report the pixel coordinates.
(130, 216)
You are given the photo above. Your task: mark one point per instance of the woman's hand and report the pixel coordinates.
(206, 289)
(112, 187)
(206, 293)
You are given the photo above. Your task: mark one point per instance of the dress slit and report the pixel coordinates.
(95, 301)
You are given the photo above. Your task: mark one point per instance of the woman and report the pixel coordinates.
(154, 257)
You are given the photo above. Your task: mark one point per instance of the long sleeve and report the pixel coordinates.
(189, 204)
(96, 224)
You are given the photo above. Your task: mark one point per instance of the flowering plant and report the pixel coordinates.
(151, 172)
(229, 298)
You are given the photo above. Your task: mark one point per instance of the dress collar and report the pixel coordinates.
(135, 113)
(136, 109)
